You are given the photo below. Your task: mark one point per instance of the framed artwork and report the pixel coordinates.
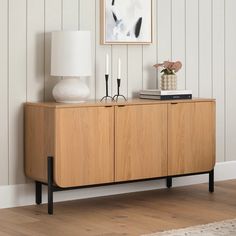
(126, 21)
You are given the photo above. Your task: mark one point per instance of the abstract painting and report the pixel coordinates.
(126, 21)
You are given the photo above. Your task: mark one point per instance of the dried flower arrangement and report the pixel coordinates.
(169, 68)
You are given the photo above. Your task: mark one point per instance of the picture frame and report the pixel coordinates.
(126, 22)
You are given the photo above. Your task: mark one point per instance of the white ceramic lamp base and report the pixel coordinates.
(71, 90)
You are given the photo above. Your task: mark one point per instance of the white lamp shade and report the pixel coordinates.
(71, 53)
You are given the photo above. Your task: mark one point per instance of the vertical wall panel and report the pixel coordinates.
(4, 92)
(150, 55)
(88, 22)
(119, 51)
(53, 22)
(178, 38)
(164, 31)
(135, 72)
(230, 79)
(70, 15)
(188, 30)
(17, 88)
(192, 46)
(101, 51)
(205, 48)
(218, 74)
(35, 50)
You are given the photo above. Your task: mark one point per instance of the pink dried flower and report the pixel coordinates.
(170, 68)
(177, 66)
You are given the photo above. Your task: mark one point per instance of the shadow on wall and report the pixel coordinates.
(39, 67)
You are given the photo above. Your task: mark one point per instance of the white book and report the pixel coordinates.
(164, 92)
(167, 97)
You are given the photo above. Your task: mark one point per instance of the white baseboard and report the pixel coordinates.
(24, 194)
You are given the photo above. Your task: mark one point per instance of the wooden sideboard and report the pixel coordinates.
(78, 145)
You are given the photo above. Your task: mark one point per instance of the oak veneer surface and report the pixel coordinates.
(39, 140)
(81, 139)
(84, 146)
(132, 214)
(130, 102)
(191, 137)
(141, 142)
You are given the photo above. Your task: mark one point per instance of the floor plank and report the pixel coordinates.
(130, 214)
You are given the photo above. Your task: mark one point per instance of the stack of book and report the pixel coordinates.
(165, 94)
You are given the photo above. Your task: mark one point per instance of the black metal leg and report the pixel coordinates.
(38, 193)
(169, 182)
(211, 181)
(116, 98)
(51, 188)
(118, 95)
(50, 185)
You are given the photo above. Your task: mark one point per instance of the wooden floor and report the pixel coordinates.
(130, 214)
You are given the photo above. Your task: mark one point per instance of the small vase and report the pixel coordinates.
(168, 82)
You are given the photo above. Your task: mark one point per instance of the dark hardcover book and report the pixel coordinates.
(166, 97)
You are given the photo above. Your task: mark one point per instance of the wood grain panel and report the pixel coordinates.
(39, 141)
(178, 38)
(230, 79)
(4, 92)
(205, 48)
(192, 55)
(35, 50)
(84, 146)
(218, 62)
(132, 214)
(97, 103)
(84, 134)
(88, 8)
(191, 137)
(141, 142)
(53, 22)
(17, 88)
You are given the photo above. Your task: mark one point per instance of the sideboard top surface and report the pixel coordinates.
(96, 103)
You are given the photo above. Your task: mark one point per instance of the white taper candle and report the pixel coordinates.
(107, 64)
(119, 69)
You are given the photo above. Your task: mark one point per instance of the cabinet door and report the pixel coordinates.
(140, 142)
(84, 146)
(191, 137)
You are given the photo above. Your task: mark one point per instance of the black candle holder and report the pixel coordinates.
(116, 97)
(107, 96)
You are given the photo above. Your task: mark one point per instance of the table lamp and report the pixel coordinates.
(71, 59)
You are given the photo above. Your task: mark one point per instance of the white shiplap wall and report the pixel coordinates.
(200, 33)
